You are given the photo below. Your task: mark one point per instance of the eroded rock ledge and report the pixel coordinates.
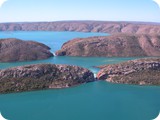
(42, 76)
(141, 72)
(118, 45)
(17, 50)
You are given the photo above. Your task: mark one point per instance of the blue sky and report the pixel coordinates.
(57, 10)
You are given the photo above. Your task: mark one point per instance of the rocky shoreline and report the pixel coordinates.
(140, 72)
(42, 76)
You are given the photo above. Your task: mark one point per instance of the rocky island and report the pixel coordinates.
(12, 50)
(117, 45)
(141, 72)
(42, 76)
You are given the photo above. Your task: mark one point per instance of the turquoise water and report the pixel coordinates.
(92, 101)
(53, 39)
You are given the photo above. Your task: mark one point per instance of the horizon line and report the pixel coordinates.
(80, 21)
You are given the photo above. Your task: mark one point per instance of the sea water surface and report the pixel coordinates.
(93, 101)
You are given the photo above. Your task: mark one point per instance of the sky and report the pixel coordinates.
(60, 10)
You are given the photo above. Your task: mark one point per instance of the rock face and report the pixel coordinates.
(142, 72)
(42, 76)
(119, 45)
(17, 50)
(84, 26)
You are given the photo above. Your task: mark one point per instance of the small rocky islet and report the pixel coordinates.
(42, 76)
(13, 50)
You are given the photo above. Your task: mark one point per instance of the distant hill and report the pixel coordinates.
(84, 26)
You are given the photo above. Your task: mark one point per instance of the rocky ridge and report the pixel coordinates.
(141, 72)
(42, 76)
(85, 26)
(117, 45)
(12, 50)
